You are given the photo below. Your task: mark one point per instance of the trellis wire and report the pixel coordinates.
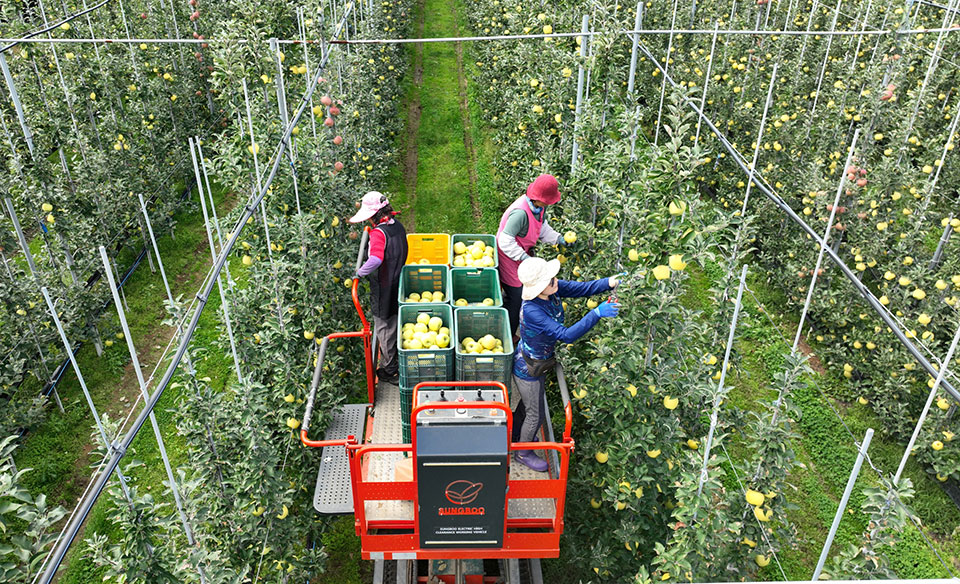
(56, 556)
(661, 31)
(783, 206)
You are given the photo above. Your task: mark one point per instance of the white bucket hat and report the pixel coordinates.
(535, 275)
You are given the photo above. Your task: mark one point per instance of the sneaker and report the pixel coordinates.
(392, 379)
(529, 459)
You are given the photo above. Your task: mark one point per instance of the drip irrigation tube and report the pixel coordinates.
(780, 203)
(93, 279)
(55, 558)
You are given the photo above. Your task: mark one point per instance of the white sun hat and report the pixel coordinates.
(535, 275)
(369, 205)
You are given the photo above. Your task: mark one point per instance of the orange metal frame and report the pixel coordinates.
(400, 539)
(366, 333)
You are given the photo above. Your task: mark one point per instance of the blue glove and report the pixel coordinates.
(607, 309)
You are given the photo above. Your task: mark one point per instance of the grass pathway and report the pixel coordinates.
(444, 172)
(59, 450)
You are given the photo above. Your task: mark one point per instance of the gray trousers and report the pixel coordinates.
(386, 331)
(530, 411)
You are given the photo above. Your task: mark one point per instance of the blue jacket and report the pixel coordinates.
(541, 323)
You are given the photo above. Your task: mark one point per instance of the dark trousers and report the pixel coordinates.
(512, 302)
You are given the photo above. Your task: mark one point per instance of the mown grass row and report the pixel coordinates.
(56, 449)
(825, 448)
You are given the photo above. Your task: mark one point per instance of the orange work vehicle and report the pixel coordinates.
(449, 504)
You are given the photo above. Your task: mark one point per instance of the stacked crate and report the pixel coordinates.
(478, 315)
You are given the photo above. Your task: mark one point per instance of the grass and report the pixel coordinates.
(442, 202)
(825, 449)
(443, 180)
(56, 448)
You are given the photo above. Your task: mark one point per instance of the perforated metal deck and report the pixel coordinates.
(334, 493)
(386, 430)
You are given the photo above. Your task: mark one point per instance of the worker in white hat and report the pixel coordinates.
(385, 257)
(541, 328)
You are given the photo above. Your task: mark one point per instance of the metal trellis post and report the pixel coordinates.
(861, 454)
(926, 407)
(584, 28)
(706, 80)
(27, 133)
(717, 398)
(146, 397)
(823, 243)
(666, 69)
(224, 306)
(83, 386)
(633, 53)
(163, 275)
(23, 240)
(756, 151)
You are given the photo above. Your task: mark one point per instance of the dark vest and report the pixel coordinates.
(385, 281)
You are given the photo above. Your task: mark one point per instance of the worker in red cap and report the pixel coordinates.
(386, 256)
(523, 224)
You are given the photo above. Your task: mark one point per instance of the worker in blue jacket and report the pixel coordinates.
(541, 328)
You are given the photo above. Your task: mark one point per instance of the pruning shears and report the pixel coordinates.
(627, 279)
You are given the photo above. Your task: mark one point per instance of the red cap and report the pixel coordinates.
(544, 189)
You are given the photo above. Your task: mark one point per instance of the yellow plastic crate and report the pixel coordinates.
(433, 247)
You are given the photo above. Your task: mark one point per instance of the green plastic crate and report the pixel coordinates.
(468, 239)
(420, 278)
(418, 365)
(476, 323)
(405, 429)
(474, 285)
(406, 404)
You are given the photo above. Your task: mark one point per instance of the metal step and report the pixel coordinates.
(334, 492)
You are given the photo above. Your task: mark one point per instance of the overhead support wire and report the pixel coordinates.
(29, 37)
(555, 35)
(55, 558)
(834, 256)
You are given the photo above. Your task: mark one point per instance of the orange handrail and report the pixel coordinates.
(365, 333)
